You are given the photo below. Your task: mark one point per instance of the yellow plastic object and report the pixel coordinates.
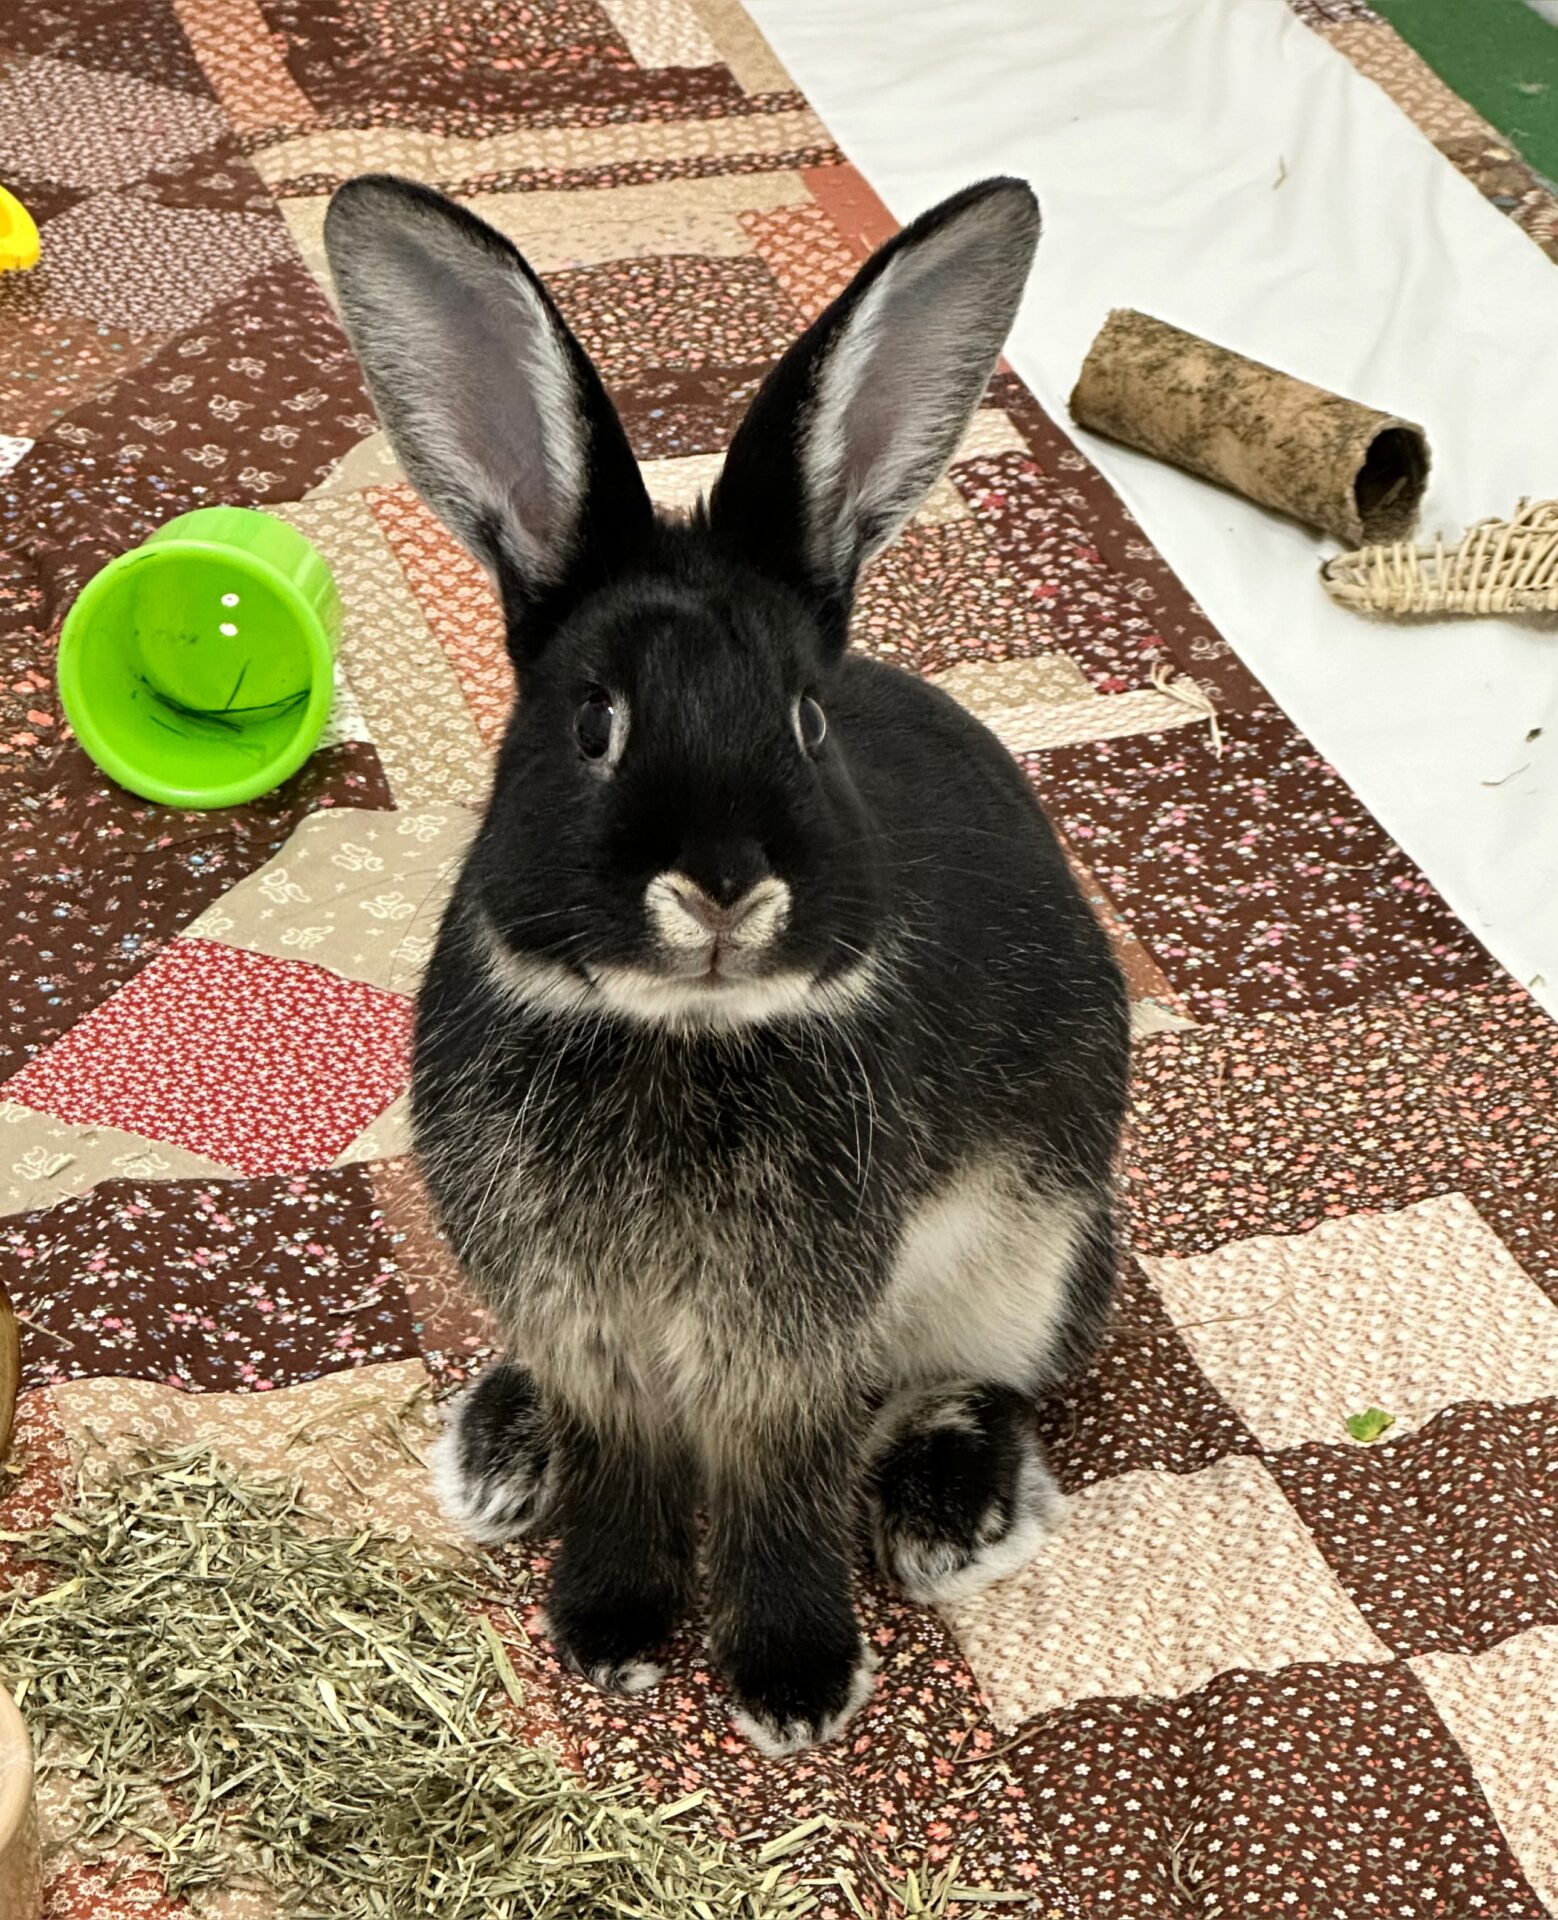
(18, 234)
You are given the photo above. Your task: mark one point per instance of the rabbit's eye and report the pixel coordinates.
(592, 725)
(811, 723)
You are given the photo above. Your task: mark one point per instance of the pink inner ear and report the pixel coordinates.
(507, 397)
(909, 368)
(476, 384)
(869, 428)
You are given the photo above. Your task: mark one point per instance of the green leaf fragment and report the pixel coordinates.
(1370, 1424)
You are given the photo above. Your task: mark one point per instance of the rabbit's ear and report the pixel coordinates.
(493, 407)
(850, 431)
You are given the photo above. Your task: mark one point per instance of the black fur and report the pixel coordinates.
(960, 1475)
(693, 1232)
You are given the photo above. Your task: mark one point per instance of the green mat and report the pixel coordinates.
(1501, 56)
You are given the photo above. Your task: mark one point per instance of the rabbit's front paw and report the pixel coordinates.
(623, 1571)
(607, 1622)
(492, 1464)
(595, 1648)
(609, 1646)
(800, 1691)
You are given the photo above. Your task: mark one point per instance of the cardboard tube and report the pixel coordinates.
(1329, 462)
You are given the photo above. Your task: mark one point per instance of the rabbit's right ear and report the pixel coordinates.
(849, 432)
(494, 409)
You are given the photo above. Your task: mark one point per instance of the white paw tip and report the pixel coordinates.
(483, 1511)
(935, 1574)
(627, 1676)
(778, 1740)
(938, 1576)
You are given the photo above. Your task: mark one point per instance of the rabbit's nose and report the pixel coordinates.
(723, 869)
(722, 919)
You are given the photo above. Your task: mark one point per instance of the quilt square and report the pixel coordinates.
(1153, 1583)
(1254, 876)
(265, 1065)
(1275, 1124)
(1320, 1792)
(212, 1286)
(1447, 1540)
(361, 893)
(1502, 1707)
(1408, 1311)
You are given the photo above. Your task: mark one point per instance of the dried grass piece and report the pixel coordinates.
(1500, 566)
(10, 1370)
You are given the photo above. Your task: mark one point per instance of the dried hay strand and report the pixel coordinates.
(10, 1370)
(256, 1704)
(1499, 566)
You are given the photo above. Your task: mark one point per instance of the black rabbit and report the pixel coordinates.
(770, 1065)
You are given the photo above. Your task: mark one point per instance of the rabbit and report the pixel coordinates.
(769, 1066)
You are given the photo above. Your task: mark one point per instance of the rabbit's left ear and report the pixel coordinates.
(495, 410)
(850, 431)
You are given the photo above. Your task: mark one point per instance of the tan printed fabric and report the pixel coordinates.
(43, 1160)
(1264, 1667)
(360, 893)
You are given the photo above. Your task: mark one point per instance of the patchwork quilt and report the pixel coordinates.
(1268, 1667)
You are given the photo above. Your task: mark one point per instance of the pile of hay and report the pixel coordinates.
(256, 1703)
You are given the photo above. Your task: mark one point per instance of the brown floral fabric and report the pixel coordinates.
(1460, 133)
(1264, 1667)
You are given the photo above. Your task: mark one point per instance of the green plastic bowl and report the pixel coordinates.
(197, 669)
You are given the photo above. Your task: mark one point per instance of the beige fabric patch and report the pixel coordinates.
(1298, 1331)
(989, 432)
(428, 744)
(349, 1439)
(362, 893)
(1045, 700)
(237, 1903)
(43, 1160)
(680, 484)
(1150, 1016)
(388, 1138)
(441, 159)
(1154, 1583)
(1502, 1707)
(662, 33)
(942, 503)
(371, 463)
(741, 46)
(346, 721)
